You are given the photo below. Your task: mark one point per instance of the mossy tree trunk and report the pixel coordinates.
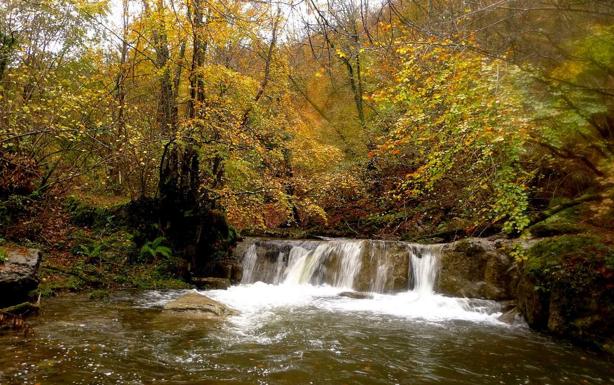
(189, 217)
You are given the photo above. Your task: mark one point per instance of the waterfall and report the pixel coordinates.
(249, 263)
(362, 265)
(316, 265)
(302, 263)
(312, 273)
(424, 270)
(378, 257)
(350, 263)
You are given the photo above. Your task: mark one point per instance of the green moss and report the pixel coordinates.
(575, 266)
(549, 229)
(150, 278)
(571, 274)
(3, 255)
(85, 214)
(45, 290)
(49, 287)
(566, 249)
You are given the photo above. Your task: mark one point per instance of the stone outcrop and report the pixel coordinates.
(195, 305)
(18, 275)
(584, 314)
(393, 258)
(477, 268)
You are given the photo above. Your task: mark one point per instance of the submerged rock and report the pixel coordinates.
(18, 275)
(511, 316)
(200, 306)
(355, 295)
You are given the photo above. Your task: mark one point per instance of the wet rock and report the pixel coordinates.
(211, 283)
(476, 268)
(566, 290)
(533, 302)
(18, 275)
(199, 306)
(384, 267)
(355, 295)
(511, 316)
(229, 269)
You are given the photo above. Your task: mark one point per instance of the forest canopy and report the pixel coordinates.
(393, 118)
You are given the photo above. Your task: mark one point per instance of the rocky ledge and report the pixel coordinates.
(477, 268)
(18, 275)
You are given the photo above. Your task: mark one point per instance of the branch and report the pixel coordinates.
(542, 216)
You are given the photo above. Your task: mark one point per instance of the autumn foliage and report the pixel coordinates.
(401, 119)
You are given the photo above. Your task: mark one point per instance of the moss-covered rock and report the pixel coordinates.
(567, 289)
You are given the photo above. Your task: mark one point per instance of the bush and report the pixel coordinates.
(82, 214)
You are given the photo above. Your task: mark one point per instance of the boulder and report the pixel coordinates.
(197, 305)
(229, 269)
(18, 275)
(476, 268)
(568, 309)
(533, 302)
(355, 295)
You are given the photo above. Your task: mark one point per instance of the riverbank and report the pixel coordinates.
(559, 271)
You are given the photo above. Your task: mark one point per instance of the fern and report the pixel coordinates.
(155, 248)
(93, 251)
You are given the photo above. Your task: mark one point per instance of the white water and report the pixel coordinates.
(424, 270)
(299, 285)
(303, 263)
(249, 263)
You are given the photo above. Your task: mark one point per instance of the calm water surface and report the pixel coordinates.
(284, 338)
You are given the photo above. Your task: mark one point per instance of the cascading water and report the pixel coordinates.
(294, 327)
(399, 277)
(424, 270)
(249, 262)
(333, 262)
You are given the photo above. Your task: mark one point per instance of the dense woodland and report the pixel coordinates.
(140, 139)
(405, 119)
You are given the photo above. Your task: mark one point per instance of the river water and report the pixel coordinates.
(294, 331)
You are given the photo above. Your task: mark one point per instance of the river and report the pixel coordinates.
(294, 329)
